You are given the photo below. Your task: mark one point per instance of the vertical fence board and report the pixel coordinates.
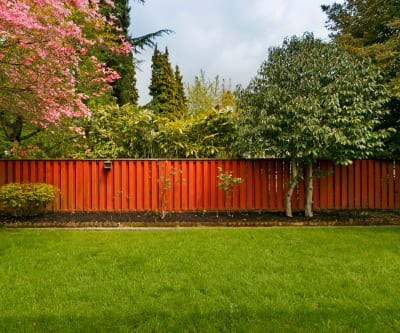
(257, 185)
(177, 186)
(235, 169)
(64, 186)
(95, 185)
(192, 186)
(124, 186)
(323, 186)
(397, 184)
(357, 184)
(40, 172)
(250, 184)
(117, 186)
(337, 187)
(390, 185)
(146, 186)
(220, 193)
(384, 185)
(272, 184)
(364, 184)
(109, 190)
(56, 183)
(213, 185)
(371, 194)
(154, 186)
(343, 186)
(377, 184)
(228, 195)
(3, 180)
(185, 186)
(264, 184)
(286, 175)
(25, 172)
(350, 185)
(17, 172)
(102, 187)
(199, 185)
(242, 186)
(279, 185)
(87, 193)
(330, 185)
(10, 172)
(2, 173)
(33, 171)
(170, 177)
(139, 186)
(71, 185)
(316, 185)
(301, 187)
(79, 185)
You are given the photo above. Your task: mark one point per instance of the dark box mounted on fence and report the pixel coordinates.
(107, 165)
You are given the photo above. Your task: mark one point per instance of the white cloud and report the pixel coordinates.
(229, 38)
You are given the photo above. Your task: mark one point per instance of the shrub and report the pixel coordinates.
(27, 199)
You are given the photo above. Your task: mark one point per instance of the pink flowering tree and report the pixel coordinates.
(45, 58)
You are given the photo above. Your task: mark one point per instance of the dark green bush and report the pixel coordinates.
(27, 199)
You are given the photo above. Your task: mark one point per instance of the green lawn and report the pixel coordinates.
(247, 280)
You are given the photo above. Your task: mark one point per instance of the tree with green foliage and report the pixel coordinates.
(164, 87)
(181, 96)
(209, 134)
(205, 94)
(125, 88)
(371, 29)
(312, 100)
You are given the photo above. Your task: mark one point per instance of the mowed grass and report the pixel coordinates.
(232, 280)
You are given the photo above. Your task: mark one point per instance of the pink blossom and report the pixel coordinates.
(12, 149)
(29, 147)
(47, 48)
(23, 153)
(36, 147)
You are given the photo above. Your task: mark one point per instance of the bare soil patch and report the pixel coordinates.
(249, 218)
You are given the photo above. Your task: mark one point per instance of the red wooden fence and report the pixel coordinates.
(136, 185)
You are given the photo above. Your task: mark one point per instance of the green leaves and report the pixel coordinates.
(312, 100)
(27, 199)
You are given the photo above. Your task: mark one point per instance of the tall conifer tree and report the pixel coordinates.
(181, 96)
(163, 87)
(125, 88)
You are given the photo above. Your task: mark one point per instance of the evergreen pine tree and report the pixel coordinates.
(181, 96)
(163, 87)
(155, 74)
(125, 88)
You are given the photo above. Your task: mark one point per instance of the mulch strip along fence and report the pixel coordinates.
(241, 219)
(135, 185)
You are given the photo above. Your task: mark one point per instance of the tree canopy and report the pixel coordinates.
(166, 86)
(312, 100)
(371, 29)
(42, 49)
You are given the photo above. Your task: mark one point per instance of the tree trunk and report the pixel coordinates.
(292, 185)
(12, 130)
(309, 194)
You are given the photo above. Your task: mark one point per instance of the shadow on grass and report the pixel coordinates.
(234, 319)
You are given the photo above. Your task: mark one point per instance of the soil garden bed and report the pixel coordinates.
(193, 219)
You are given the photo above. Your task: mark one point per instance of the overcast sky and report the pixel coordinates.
(229, 38)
